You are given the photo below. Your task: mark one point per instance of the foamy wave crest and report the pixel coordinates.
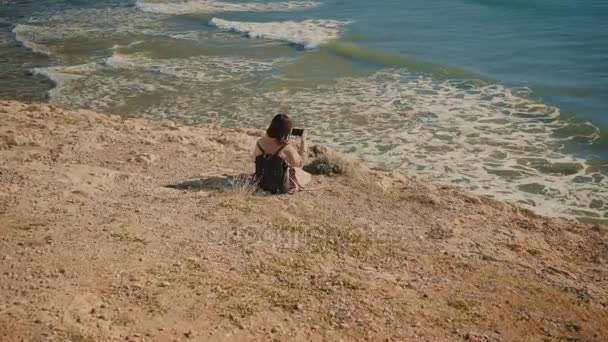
(88, 86)
(135, 83)
(4, 40)
(37, 33)
(211, 6)
(27, 35)
(200, 69)
(308, 33)
(62, 75)
(118, 46)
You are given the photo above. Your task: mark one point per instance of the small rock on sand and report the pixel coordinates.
(14, 139)
(146, 158)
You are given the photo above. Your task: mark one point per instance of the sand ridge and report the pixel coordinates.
(113, 228)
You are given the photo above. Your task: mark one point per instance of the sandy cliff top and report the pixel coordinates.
(114, 229)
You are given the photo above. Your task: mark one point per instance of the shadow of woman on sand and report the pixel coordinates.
(243, 182)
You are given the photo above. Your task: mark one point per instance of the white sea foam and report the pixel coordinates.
(118, 47)
(308, 33)
(204, 69)
(212, 6)
(61, 76)
(88, 86)
(27, 35)
(133, 83)
(50, 34)
(4, 40)
(46, 34)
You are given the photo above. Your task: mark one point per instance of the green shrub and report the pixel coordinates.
(329, 163)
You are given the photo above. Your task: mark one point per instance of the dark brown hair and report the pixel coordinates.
(280, 128)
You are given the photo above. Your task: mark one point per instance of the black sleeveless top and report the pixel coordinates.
(272, 171)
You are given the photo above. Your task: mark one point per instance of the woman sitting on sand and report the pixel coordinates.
(278, 163)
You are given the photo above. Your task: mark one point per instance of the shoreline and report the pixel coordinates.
(114, 228)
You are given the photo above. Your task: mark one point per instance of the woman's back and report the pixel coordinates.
(271, 169)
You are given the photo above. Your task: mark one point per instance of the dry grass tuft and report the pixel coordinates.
(12, 330)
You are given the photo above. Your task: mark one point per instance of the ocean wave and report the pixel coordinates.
(308, 33)
(117, 47)
(56, 33)
(205, 69)
(27, 35)
(212, 6)
(351, 50)
(88, 86)
(132, 83)
(5, 40)
(62, 75)
(40, 32)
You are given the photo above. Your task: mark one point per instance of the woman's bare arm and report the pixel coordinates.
(292, 156)
(303, 147)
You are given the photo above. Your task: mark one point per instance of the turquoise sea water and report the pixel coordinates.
(505, 98)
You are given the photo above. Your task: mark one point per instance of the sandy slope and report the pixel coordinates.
(95, 246)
